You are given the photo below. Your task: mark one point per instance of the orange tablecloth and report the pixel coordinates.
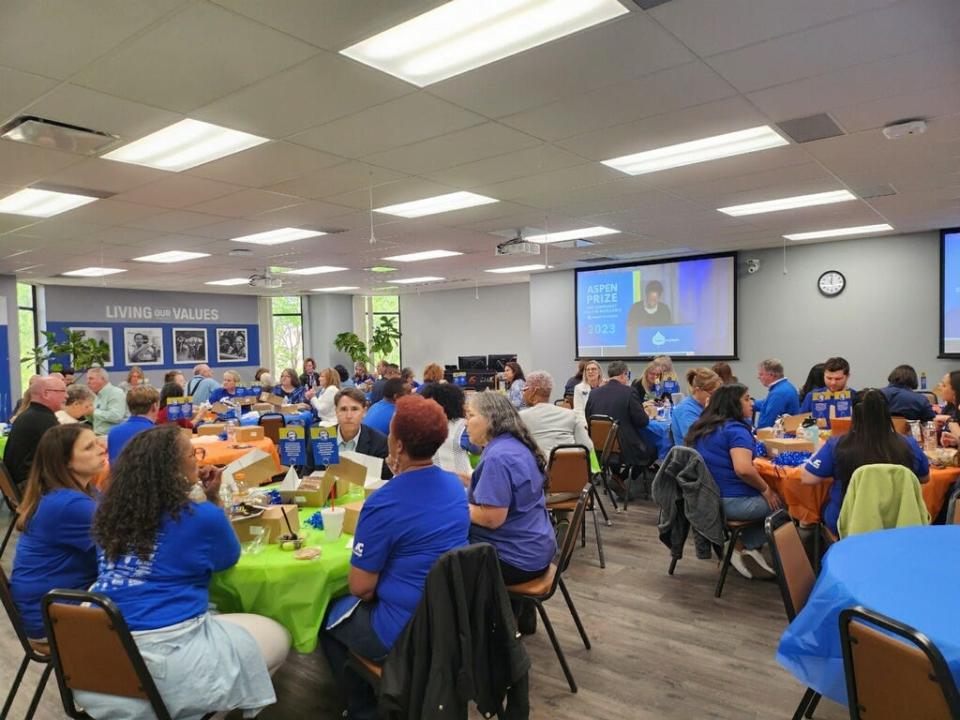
(805, 501)
(224, 452)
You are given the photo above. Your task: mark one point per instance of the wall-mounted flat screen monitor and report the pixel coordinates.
(499, 362)
(684, 308)
(950, 293)
(472, 362)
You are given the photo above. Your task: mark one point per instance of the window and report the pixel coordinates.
(377, 307)
(287, 334)
(27, 322)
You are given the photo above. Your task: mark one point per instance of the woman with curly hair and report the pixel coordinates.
(55, 549)
(507, 503)
(157, 552)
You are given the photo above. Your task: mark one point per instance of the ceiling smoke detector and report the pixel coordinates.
(905, 128)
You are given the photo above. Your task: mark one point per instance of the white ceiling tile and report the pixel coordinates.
(22, 164)
(566, 179)
(111, 212)
(476, 143)
(727, 170)
(623, 48)
(708, 27)
(19, 89)
(174, 221)
(311, 214)
(336, 180)
(522, 163)
(866, 37)
(246, 203)
(265, 164)
(199, 54)
(933, 103)
(390, 193)
(324, 88)
(73, 34)
(177, 191)
(106, 175)
(398, 122)
(117, 236)
(11, 223)
(226, 229)
(672, 89)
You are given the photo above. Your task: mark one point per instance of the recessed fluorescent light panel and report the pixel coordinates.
(465, 34)
(230, 281)
(172, 256)
(380, 269)
(93, 272)
(276, 237)
(437, 204)
(184, 145)
(698, 151)
(425, 255)
(316, 270)
(840, 232)
(517, 268)
(555, 237)
(42, 203)
(789, 203)
(340, 288)
(413, 281)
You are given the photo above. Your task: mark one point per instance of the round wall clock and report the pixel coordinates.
(831, 283)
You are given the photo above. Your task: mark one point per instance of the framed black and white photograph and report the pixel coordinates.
(104, 334)
(232, 345)
(143, 346)
(190, 345)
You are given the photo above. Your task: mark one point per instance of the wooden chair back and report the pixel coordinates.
(794, 572)
(272, 424)
(931, 397)
(9, 488)
(840, 426)
(792, 422)
(901, 425)
(92, 650)
(893, 671)
(603, 434)
(568, 470)
(566, 401)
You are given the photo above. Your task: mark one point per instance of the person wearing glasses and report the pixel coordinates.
(47, 395)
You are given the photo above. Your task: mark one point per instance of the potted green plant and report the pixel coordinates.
(383, 337)
(84, 352)
(351, 344)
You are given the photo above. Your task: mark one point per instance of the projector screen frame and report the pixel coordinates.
(660, 261)
(943, 354)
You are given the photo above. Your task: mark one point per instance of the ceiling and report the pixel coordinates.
(528, 130)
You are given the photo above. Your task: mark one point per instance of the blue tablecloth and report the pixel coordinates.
(910, 574)
(657, 433)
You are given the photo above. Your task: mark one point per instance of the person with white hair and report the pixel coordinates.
(549, 424)
(110, 403)
(201, 384)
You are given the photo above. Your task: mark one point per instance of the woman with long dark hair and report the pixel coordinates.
(871, 440)
(516, 382)
(55, 549)
(158, 550)
(814, 380)
(949, 421)
(724, 437)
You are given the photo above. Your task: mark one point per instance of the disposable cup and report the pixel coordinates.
(332, 522)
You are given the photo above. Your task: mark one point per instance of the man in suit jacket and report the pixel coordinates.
(625, 405)
(352, 434)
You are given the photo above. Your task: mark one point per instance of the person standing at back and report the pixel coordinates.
(782, 398)
(46, 395)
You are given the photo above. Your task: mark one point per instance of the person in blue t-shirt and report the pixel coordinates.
(143, 402)
(157, 550)
(702, 383)
(871, 439)
(55, 549)
(403, 528)
(507, 503)
(782, 398)
(724, 439)
(902, 397)
(381, 412)
(227, 391)
(836, 374)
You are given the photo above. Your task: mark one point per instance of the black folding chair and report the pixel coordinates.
(33, 651)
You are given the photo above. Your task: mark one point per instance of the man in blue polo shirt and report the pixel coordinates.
(836, 373)
(144, 404)
(782, 397)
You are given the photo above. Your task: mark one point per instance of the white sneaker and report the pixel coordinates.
(737, 561)
(759, 568)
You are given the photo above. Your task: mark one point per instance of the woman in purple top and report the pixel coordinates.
(507, 502)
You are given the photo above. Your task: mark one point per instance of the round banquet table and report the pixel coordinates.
(224, 452)
(293, 592)
(804, 502)
(909, 574)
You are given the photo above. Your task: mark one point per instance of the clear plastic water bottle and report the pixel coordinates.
(666, 412)
(915, 431)
(778, 430)
(929, 436)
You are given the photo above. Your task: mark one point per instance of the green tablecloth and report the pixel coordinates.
(293, 592)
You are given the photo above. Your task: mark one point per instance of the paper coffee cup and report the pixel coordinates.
(332, 522)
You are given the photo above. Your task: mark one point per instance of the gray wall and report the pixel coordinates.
(324, 317)
(439, 326)
(888, 314)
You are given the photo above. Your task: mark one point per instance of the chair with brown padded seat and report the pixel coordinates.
(272, 424)
(92, 649)
(900, 424)
(33, 651)
(541, 589)
(796, 578)
(604, 434)
(12, 497)
(568, 473)
(893, 671)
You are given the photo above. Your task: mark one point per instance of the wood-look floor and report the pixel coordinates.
(663, 647)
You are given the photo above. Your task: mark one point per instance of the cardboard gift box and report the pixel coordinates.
(313, 491)
(257, 467)
(775, 446)
(245, 434)
(351, 516)
(271, 521)
(211, 428)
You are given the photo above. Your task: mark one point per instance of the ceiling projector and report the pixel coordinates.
(266, 280)
(518, 246)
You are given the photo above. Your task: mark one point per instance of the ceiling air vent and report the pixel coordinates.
(57, 135)
(810, 128)
(647, 4)
(875, 191)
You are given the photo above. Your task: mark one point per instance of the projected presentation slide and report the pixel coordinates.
(679, 308)
(950, 327)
